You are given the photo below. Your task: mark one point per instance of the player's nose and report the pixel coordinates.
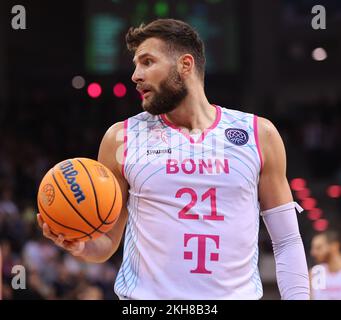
(137, 76)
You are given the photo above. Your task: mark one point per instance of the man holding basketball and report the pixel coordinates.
(194, 178)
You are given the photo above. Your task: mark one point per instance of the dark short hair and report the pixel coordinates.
(179, 37)
(331, 236)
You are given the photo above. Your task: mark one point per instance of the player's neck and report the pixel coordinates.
(195, 112)
(334, 263)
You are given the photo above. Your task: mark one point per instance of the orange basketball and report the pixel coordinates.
(79, 198)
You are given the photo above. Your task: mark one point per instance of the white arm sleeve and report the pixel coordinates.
(291, 265)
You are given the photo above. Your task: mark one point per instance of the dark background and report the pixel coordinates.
(259, 60)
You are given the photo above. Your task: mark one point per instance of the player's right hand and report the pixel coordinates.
(75, 247)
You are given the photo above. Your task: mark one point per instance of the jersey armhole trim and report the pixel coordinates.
(125, 142)
(255, 127)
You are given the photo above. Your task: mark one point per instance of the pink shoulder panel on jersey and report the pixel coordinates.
(255, 127)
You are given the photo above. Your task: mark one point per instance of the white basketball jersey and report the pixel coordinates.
(192, 231)
(326, 285)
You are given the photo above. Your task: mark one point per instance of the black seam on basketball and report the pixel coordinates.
(82, 238)
(110, 222)
(92, 232)
(88, 235)
(63, 225)
(66, 198)
(103, 221)
(94, 190)
(112, 206)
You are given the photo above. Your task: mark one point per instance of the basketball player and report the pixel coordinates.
(194, 178)
(326, 275)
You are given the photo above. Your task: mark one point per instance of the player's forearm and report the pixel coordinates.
(98, 250)
(291, 265)
(291, 269)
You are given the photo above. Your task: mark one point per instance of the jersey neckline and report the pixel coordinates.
(186, 134)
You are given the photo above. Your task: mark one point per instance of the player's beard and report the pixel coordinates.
(172, 91)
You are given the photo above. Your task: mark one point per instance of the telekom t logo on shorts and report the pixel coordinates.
(201, 240)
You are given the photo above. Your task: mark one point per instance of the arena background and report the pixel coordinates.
(263, 57)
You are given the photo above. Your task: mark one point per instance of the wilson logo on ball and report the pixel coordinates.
(70, 174)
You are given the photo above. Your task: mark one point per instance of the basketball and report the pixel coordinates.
(79, 198)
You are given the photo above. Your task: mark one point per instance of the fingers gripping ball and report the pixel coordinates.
(79, 198)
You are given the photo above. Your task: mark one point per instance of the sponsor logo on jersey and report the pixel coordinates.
(159, 151)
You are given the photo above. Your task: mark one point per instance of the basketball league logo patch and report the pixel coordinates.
(239, 137)
(48, 194)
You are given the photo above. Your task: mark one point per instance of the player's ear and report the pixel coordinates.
(185, 64)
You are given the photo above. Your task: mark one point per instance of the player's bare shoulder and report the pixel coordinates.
(270, 140)
(266, 129)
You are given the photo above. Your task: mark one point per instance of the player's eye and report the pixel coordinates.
(147, 62)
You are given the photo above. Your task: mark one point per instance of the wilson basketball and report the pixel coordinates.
(79, 198)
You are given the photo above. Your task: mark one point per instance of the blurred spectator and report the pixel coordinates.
(7, 205)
